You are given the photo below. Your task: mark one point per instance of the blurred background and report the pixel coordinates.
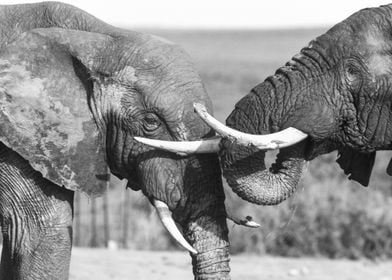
(236, 45)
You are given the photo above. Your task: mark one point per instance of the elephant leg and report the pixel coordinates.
(36, 220)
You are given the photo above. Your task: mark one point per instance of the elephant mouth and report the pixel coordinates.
(160, 172)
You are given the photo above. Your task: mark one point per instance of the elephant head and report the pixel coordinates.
(334, 95)
(74, 90)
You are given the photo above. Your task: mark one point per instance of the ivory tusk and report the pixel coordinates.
(165, 216)
(248, 221)
(184, 147)
(281, 139)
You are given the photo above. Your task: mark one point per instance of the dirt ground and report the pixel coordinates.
(100, 264)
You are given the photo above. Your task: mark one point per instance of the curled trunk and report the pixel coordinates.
(244, 167)
(252, 181)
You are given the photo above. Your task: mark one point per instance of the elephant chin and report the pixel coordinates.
(246, 172)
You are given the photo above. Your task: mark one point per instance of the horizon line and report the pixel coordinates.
(223, 28)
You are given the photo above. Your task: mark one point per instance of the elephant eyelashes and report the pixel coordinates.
(151, 122)
(353, 76)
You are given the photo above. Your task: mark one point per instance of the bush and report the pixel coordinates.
(328, 216)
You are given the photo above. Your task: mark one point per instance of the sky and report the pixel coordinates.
(220, 14)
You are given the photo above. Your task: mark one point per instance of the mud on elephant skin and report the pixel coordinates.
(334, 95)
(75, 91)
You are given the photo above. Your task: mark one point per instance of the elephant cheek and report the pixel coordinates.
(317, 119)
(162, 179)
(321, 122)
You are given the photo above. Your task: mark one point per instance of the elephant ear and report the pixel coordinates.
(356, 164)
(44, 106)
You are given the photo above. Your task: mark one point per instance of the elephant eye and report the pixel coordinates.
(151, 122)
(353, 76)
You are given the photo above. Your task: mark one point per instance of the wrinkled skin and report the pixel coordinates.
(69, 74)
(337, 90)
(36, 222)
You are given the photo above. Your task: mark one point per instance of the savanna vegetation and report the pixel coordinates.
(328, 216)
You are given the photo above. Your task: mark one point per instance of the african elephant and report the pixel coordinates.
(336, 94)
(75, 91)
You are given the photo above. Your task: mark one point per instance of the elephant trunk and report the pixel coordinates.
(203, 220)
(208, 234)
(189, 192)
(244, 167)
(252, 181)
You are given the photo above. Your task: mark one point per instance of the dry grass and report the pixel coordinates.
(101, 264)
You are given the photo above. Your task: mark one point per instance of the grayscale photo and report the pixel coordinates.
(202, 140)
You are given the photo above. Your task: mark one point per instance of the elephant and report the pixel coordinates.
(335, 94)
(74, 92)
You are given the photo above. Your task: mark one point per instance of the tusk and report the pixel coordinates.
(281, 139)
(165, 216)
(184, 147)
(248, 221)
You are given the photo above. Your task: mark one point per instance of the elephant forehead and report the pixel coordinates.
(127, 75)
(379, 60)
(374, 39)
(380, 64)
(181, 118)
